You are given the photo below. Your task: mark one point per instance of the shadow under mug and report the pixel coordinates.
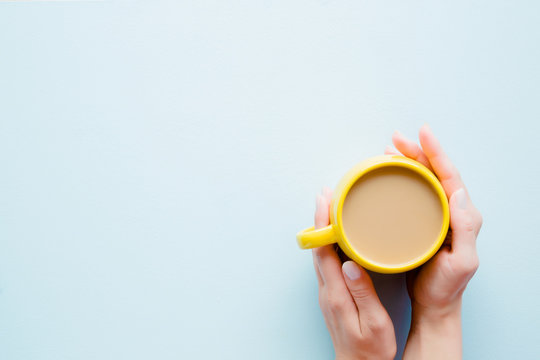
(311, 238)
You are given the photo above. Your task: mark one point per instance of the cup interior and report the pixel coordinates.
(393, 216)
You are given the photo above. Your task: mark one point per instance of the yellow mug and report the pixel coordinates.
(334, 233)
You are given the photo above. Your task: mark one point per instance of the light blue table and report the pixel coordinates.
(158, 158)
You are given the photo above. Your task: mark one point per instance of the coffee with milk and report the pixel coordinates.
(392, 215)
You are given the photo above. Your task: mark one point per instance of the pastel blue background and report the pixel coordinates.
(158, 158)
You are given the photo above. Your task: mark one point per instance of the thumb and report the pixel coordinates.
(465, 226)
(370, 310)
(462, 221)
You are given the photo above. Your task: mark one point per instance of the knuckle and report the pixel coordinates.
(357, 339)
(468, 267)
(389, 350)
(479, 220)
(474, 264)
(378, 345)
(468, 224)
(335, 303)
(322, 301)
(379, 324)
(360, 293)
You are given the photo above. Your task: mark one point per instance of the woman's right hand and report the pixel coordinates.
(357, 321)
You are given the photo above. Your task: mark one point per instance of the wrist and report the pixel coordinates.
(436, 317)
(435, 332)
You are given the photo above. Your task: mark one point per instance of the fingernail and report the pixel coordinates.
(461, 198)
(351, 270)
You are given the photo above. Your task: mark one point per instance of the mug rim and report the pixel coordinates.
(368, 166)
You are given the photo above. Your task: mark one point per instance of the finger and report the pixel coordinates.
(327, 194)
(410, 149)
(321, 220)
(442, 166)
(372, 314)
(316, 266)
(391, 151)
(335, 296)
(330, 269)
(463, 222)
(326, 258)
(465, 227)
(321, 212)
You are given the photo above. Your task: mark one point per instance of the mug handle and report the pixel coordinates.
(310, 238)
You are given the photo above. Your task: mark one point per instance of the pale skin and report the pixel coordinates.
(359, 325)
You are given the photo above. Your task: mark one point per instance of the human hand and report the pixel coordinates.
(436, 288)
(359, 325)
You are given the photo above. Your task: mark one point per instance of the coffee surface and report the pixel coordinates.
(392, 215)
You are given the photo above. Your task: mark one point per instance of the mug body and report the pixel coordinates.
(334, 232)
